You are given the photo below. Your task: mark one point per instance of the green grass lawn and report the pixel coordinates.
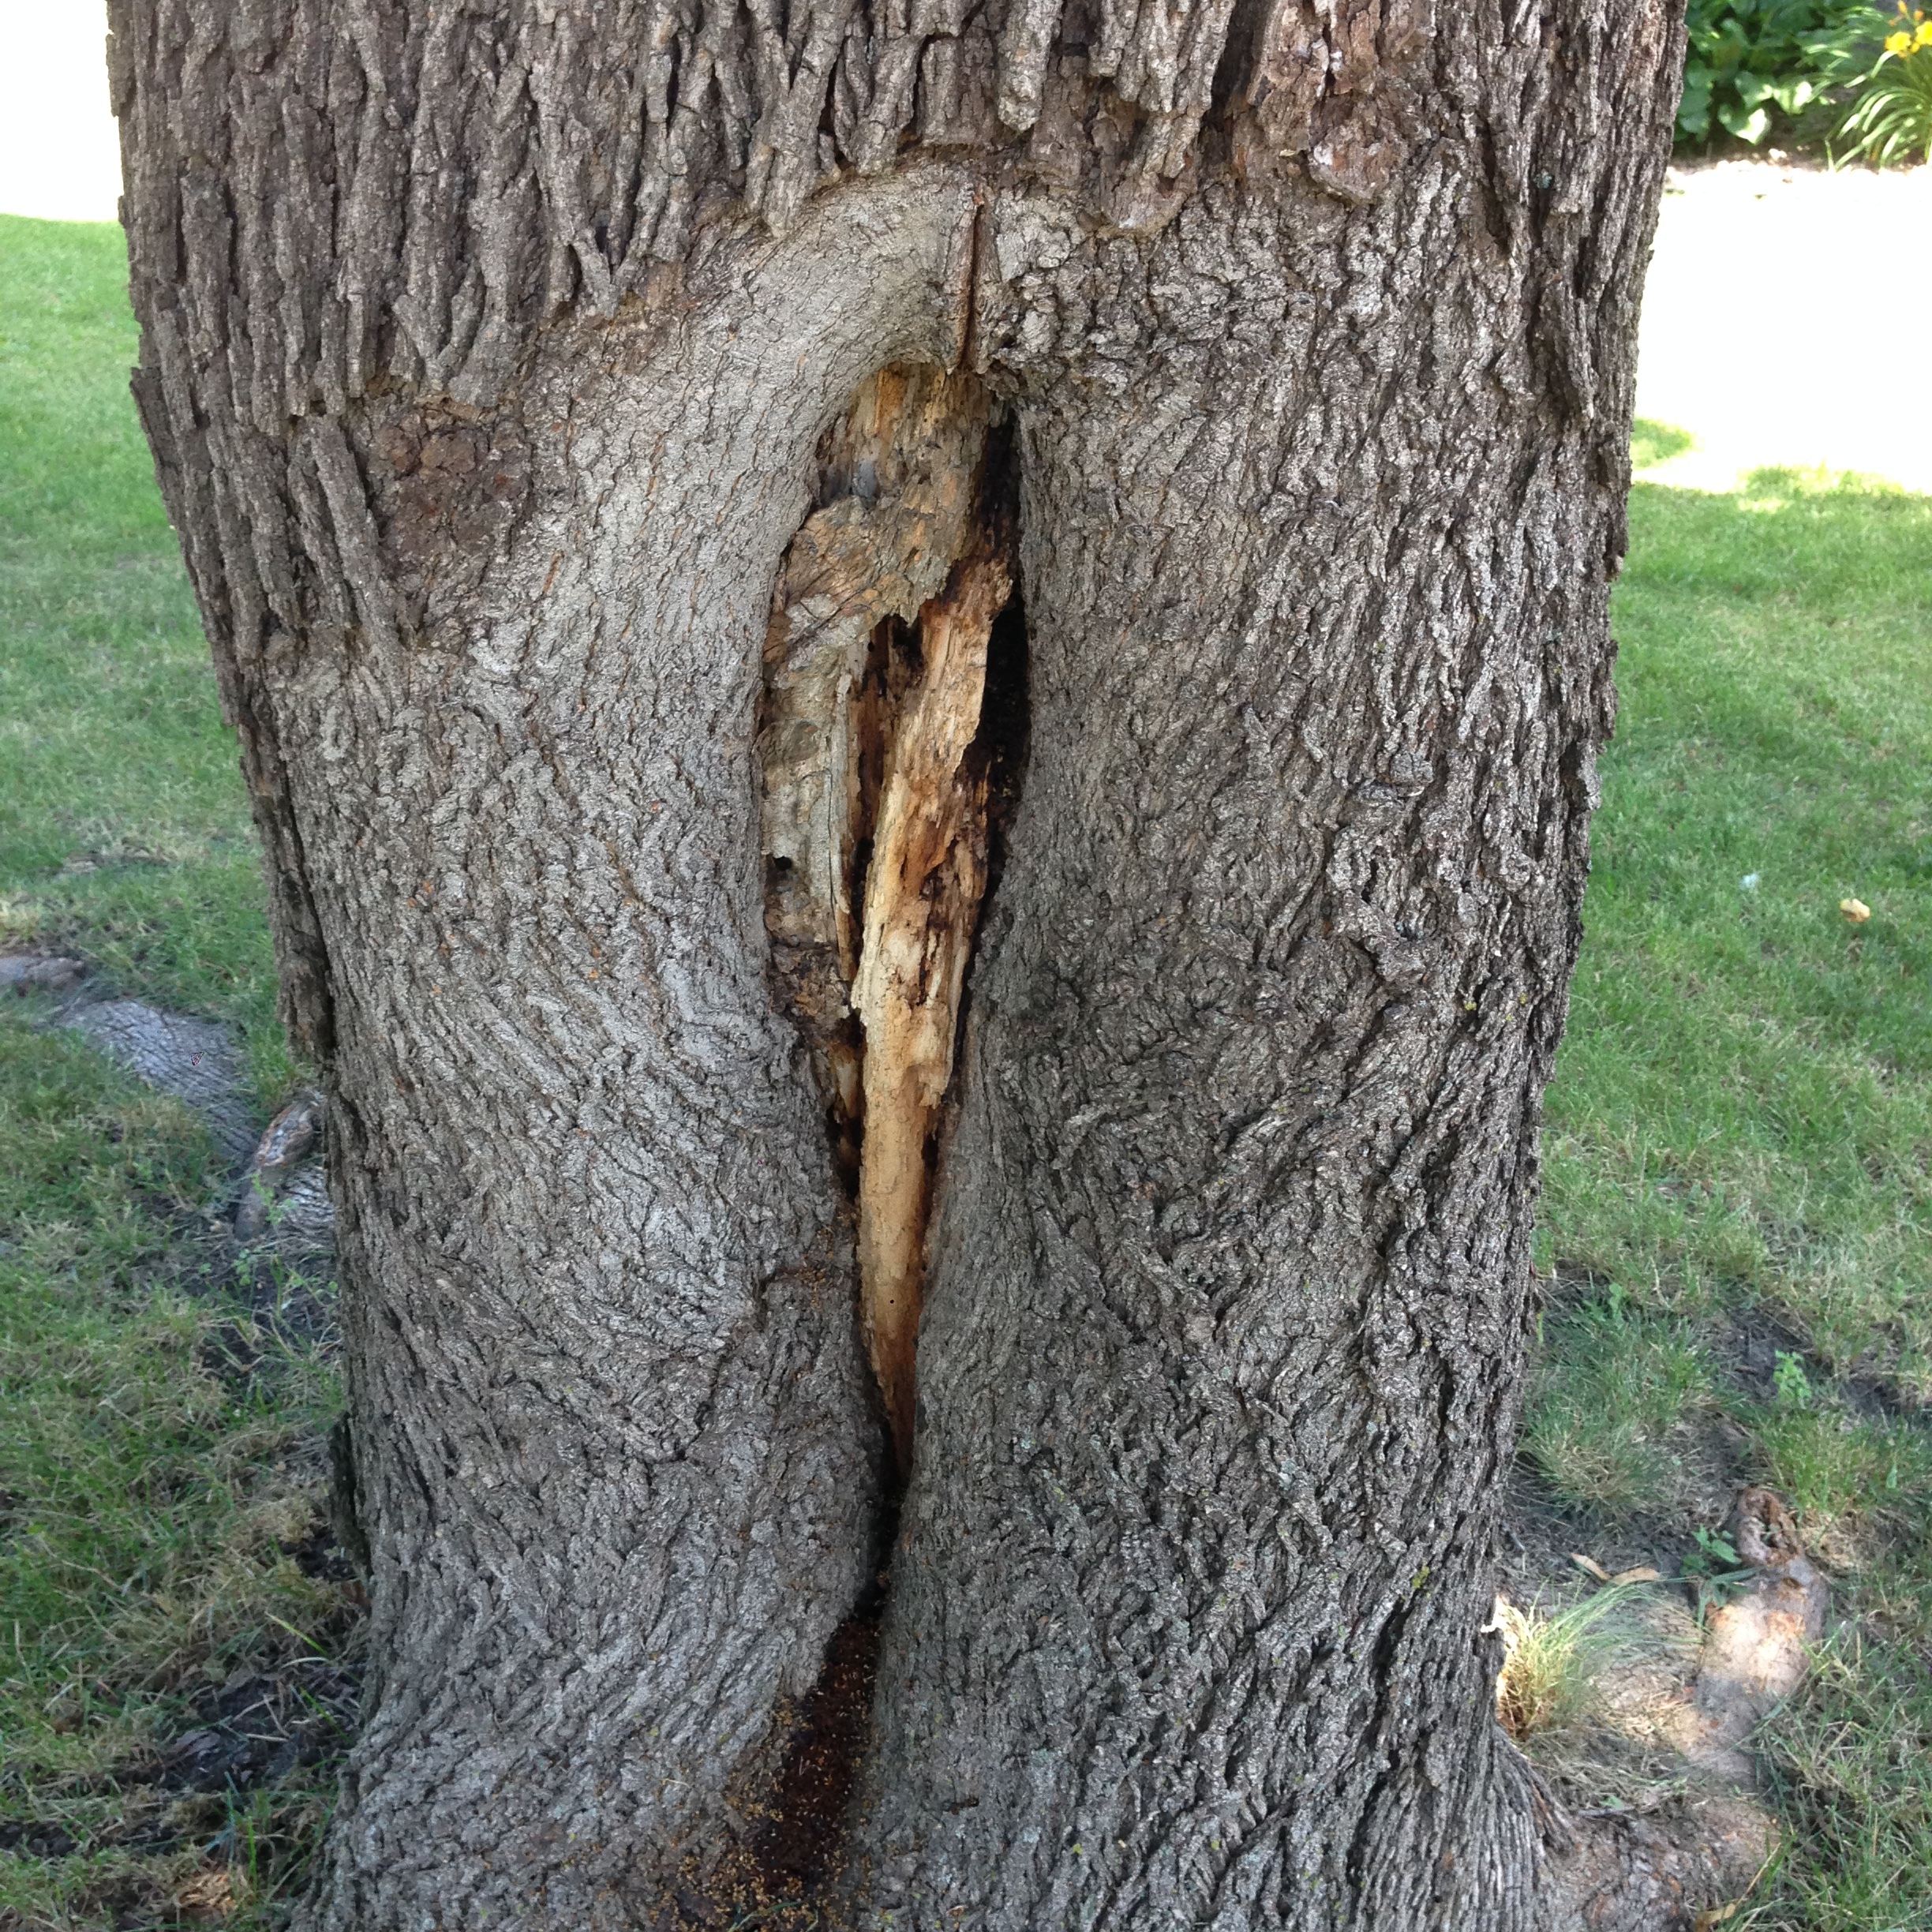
(124, 828)
(161, 1431)
(1737, 1152)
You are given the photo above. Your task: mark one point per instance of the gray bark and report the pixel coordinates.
(486, 352)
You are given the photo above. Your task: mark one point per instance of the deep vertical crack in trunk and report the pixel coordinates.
(1224, 1235)
(876, 787)
(923, 888)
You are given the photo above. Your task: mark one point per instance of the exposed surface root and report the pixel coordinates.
(1756, 1646)
(1661, 1870)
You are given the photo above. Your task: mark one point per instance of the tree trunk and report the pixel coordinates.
(601, 440)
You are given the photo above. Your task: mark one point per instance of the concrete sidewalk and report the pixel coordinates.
(1786, 322)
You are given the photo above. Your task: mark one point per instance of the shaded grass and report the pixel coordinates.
(161, 1475)
(1852, 1757)
(161, 1459)
(1616, 1389)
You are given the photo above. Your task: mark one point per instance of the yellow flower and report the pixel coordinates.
(1924, 36)
(1898, 44)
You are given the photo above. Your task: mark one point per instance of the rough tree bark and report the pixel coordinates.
(601, 438)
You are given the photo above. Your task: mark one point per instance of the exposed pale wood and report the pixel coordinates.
(864, 732)
(904, 463)
(922, 906)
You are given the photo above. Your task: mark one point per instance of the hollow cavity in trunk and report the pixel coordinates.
(883, 761)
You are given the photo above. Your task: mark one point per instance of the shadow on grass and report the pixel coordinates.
(1654, 443)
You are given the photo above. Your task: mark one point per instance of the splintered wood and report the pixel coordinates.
(875, 825)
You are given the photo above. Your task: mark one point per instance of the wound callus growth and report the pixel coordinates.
(877, 774)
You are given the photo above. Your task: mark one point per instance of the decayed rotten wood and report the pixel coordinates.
(874, 818)
(895, 478)
(923, 887)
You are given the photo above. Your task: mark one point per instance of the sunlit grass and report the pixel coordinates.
(1744, 1102)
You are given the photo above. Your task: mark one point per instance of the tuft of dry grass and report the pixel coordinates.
(1554, 1661)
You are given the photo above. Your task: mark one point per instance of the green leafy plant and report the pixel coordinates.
(1714, 1554)
(1751, 62)
(1714, 1569)
(1792, 1384)
(1890, 119)
(1652, 443)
